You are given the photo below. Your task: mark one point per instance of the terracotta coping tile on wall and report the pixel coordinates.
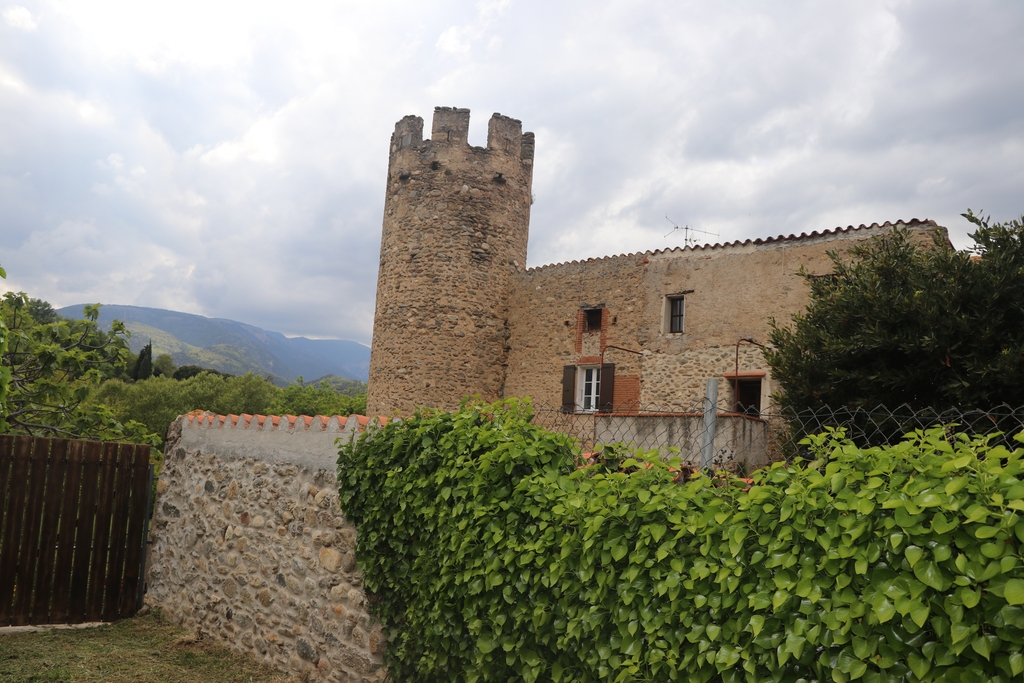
(282, 422)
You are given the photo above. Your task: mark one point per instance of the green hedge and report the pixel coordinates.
(491, 557)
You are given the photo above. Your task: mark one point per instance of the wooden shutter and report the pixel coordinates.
(607, 397)
(569, 389)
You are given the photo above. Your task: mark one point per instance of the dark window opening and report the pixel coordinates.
(434, 165)
(593, 319)
(675, 314)
(748, 396)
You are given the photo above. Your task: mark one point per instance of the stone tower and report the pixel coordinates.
(456, 223)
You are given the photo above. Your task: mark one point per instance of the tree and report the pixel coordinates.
(164, 365)
(903, 323)
(42, 312)
(186, 371)
(143, 368)
(299, 398)
(156, 402)
(50, 369)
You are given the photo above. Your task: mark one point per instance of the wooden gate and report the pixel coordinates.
(73, 524)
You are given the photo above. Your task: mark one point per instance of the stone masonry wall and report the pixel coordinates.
(251, 548)
(730, 292)
(454, 235)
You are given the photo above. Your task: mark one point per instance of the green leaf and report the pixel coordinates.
(919, 612)
(983, 645)
(918, 664)
(929, 574)
(970, 598)
(959, 631)
(1016, 663)
(619, 550)
(955, 486)
(913, 554)
(1013, 591)
(885, 611)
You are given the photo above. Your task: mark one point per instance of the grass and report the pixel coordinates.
(136, 650)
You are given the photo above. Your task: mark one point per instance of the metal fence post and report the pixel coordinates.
(707, 445)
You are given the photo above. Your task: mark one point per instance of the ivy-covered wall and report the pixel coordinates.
(494, 557)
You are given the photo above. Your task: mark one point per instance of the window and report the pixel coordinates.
(593, 319)
(675, 314)
(748, 396)
(588, 393)
(588, 388)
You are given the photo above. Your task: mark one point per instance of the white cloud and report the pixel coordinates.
(229, 159)
(19, 17)
(460, 39)
(12, 82)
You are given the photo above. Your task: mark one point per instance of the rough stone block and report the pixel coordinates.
(331, 559)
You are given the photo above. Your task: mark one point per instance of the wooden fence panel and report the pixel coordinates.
(6, 465)
(38, 452)
(101, 534)
(54, 497)
(136, 537)
(66, 538)
(12, 527)
(118, 532)
(85, 516)
(72, 529)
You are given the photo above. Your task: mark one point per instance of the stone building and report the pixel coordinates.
(459, 314)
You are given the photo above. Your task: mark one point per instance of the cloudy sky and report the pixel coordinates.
(229, 158)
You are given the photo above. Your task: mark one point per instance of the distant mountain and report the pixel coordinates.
(234, 347)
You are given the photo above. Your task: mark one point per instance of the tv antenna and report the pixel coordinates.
(689, 233)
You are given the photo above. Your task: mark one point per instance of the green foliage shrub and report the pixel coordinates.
(904, 323)
(299, 398)
(186, 371)
(156, 402)
(490, 557)
(50, 368)
(164, 366)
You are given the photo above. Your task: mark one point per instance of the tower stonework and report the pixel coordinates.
(456, 224)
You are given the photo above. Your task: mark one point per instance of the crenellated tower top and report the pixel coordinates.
(450, 126)
(456, 224)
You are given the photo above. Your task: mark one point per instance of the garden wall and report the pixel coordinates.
(741, 441)
(250, 546)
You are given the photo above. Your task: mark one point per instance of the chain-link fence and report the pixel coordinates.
(742, 442)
